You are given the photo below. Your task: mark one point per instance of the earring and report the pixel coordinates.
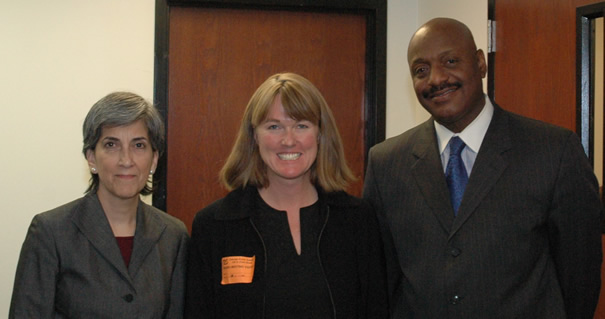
(151, 172)
(93, 170)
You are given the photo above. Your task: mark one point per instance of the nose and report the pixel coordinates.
(437, 76)
(125, 157)
(288, 138)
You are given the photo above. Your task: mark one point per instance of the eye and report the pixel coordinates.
(304, 124)
(451, 61)
(420, 71)
(140, 145)
(110, 144)
(273, 127)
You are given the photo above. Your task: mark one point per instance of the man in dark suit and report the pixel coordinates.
(507, 225)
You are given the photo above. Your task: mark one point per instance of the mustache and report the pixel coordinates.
(436, 88)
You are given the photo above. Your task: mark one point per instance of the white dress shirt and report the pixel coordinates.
(472, 136)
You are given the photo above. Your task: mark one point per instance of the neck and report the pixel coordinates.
(459, 126)
(121, 214)
(286, 197)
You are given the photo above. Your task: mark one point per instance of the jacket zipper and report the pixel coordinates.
(265, 263)
(323, 227)
(321, 264)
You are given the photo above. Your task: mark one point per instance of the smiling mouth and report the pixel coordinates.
(126, 176)
(289, 156)
(441, 91)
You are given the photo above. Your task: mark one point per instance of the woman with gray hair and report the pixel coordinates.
(107, 254)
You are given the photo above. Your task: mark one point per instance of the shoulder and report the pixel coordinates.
(423, 133)
(59, 215)
(207, 213)
(534, 134)
(173, 224)
(526, 124)
(52, 226)
(235, 205)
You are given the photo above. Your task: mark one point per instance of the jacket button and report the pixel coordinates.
(455, 300)
(455, 252)
(128, 297)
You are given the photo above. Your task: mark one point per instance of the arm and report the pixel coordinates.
(199, 297)
(374, 287)
(574, 231)
(394, 275)
(177, 289)
(37, 270)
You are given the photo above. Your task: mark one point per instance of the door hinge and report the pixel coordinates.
(491, 36)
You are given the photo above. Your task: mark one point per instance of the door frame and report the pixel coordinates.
(375, 12)
(491, 9)
(585, 60)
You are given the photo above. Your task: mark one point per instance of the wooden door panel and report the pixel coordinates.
(535, 63)
(218, 57)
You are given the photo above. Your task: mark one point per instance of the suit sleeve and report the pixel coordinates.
(199, 299)
(177, 290)
(394, 275)
(374, 289)
(574, 231)
(37, 271)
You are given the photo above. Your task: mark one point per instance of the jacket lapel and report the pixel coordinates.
(489, 166)
(148, 232)
(91, 221)
(428, 174)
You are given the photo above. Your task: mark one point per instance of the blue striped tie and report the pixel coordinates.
(455, 173)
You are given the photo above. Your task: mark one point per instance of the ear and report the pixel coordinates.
(481, 63)
(154, 163)
(90, 157)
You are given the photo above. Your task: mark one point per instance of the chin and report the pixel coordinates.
(128, 194)
(445, 113)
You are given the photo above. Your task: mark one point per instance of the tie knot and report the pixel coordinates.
(456, 146)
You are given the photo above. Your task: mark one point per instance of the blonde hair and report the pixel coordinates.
(301, 101)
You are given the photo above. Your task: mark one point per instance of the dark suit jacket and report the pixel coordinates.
(526, 242)
(71, 266)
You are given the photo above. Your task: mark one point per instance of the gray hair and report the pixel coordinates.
(119, 109)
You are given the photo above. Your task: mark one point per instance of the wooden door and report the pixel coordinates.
(534, 68)
(533, 71)
(218, 56)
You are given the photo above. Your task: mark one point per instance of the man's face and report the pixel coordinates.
(446, 71)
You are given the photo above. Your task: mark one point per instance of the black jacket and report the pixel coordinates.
(349, 248)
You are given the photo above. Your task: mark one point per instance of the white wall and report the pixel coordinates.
(59, 57)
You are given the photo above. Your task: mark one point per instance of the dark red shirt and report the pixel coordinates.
(125, 244)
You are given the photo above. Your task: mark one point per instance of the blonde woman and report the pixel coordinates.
(287, 241)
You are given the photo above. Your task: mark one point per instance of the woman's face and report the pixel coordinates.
(122, 159)
(287, 146)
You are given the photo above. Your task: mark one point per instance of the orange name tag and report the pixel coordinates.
(238, 270)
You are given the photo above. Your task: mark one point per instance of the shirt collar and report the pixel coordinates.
(473, 134)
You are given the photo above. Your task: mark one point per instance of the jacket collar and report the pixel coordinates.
(489, 166)
(241, 203)
(92, 222)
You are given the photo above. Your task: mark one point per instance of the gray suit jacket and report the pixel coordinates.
(71, 266)
(526, 242)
